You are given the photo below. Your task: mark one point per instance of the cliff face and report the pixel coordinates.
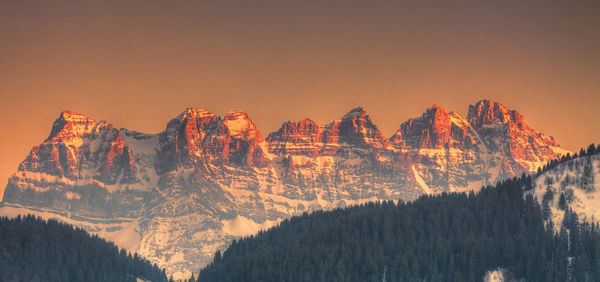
(446, 151)
(187, 191)
(347, 159)
(182, 141)
(299, 138)
(237, 141)
(69, 151)
(451, 153)
(354, 129)
(518, 148)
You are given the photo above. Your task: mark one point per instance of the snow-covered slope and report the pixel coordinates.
(177, 196)
(497, 275)
(573, 184)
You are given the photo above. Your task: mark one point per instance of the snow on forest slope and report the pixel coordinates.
(572, 184)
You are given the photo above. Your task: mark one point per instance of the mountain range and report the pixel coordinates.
(178, 196)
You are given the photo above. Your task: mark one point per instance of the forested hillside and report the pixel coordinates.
(449, 237)
(32, 249)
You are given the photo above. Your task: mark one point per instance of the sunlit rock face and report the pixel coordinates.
(345, 160)
(298, 138)
(237, 141)
(517, 147)
(69, 151)
(179, 195)
(447, 152)
(83, 166)
(453, 153)
(182, 141)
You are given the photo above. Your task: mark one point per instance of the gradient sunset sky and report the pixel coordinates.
(137, 64)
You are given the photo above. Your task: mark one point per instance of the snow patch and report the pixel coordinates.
(494, 276)
(140, 143)
(421, 182)
(178, 257)
(239, 126)
(123, 232)
(242, 226)
(566, 179)
(70, 195)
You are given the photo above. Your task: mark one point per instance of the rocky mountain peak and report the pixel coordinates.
(237, 141)
(505, 130)
(79, 147)
(191, 125)
(436, 107)
(296, 130)
(432, 130)
(71, 116)
(486, 112)
(237, 114)
(356, 112)
(181, 142)
(355, 128)
(438, 116)
(71, 124)
(239, 125)
(190, 118)
(190, 113)
(296, 137)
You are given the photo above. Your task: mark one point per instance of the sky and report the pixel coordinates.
(138, 64)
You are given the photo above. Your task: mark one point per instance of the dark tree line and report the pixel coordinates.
(449, 237)
(32, 249)
(591, 150)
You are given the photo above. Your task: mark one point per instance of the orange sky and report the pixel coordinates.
(138, 64)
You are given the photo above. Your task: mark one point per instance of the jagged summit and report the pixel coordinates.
(487, 111)
(236, 142)
(436, 107)
(239, 125)
(520, 148)
(72, 116)
(69, 124)
(436, 114)
(240, 116)
(302, 137)
(195, 113)
(355, 128)
(236, 113)
(434, 129)
(358, 111)
(79, 146)
(306, 128)
(189, 118)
